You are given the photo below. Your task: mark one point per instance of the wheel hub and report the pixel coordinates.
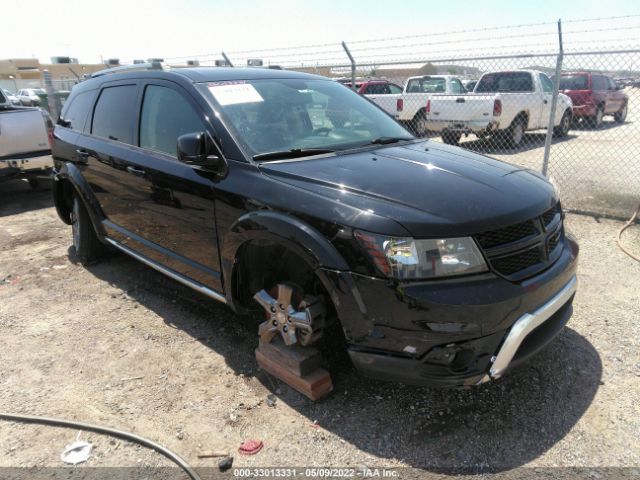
(293, 325)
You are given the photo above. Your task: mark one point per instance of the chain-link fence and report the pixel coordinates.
(497, 91)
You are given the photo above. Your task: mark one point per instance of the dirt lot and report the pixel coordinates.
(119, 344)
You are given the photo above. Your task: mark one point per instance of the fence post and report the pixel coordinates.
(226, 59)
(353, 66)
(53, 102)
(554, 102)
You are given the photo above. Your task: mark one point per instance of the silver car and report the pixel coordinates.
(11, 98)
(29, 96)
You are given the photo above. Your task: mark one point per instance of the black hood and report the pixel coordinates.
(430, 188)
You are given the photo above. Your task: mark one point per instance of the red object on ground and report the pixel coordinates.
(250, 447)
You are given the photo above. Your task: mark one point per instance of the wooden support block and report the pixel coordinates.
(299, 361)
(315, 384)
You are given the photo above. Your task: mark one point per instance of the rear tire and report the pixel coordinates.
(85, 241)
(621, 115)
(515, 133)
(451, 138)
(562, 130)
(596, 120)
(419, 124)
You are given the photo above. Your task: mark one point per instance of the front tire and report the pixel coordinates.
(621, 115)
(562, 130)
(85, 241)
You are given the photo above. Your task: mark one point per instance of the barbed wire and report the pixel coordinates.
(262, 51)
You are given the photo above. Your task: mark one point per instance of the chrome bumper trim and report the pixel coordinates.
(525, 325)
(169, 273)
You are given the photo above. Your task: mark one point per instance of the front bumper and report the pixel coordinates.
(455, 332)
(584, 110)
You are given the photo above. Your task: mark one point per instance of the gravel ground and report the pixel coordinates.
(118, 344)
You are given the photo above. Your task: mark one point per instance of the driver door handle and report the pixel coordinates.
(136, 171)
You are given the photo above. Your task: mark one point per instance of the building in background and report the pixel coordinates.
(17, 73)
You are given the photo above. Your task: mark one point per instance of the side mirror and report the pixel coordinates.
(198, 150)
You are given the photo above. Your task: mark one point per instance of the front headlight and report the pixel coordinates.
(410, 259)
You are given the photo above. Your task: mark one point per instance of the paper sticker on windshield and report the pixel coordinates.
(234, 93)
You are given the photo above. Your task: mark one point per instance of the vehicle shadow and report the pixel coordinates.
(16, 196)
(607, 124)
(495, 427)
(531, 141)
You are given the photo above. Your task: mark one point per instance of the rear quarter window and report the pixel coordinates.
(114, 113)
(505, 82)
(75, 112)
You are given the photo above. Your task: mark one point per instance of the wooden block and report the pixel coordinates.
(300, 361)
(314, 385)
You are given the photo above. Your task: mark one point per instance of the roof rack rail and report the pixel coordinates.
(129, 68)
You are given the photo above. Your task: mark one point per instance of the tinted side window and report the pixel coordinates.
(165, 116)
(114, 113)
(547, 85)
(598, 83)
(75, 112)
(456, 86)
(2, 99)
(394, 89)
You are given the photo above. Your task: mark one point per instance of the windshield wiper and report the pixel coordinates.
(293, 153)
(387, 140)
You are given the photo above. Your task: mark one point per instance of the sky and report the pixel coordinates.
(129, 29)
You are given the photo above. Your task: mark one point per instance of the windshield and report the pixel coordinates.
(427, 85)
(279, 115)
(573, 82)
(505, 82)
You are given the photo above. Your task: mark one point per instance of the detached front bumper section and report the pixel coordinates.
(496, 353)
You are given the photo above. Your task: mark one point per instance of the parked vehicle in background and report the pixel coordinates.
(410, 106)
(25, 142)
(469, 85)
(375, 87)
(30, 96)
(288, 196)
(10, 97)
(385, 94)
(594, 96)
(504, 104)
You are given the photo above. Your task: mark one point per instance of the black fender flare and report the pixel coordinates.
(290, 232)
(70, 173)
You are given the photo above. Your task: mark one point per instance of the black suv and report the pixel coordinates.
(288, 192)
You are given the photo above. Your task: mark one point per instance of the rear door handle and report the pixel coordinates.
(136, 171)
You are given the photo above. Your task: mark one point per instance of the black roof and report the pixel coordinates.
(195, 75)
(215, 74)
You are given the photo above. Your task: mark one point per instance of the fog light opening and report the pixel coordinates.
(461, 360)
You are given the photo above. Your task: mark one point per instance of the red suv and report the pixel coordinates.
(376, 87)
(594, 96)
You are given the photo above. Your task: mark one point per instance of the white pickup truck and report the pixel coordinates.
(410, 106)
(25, 148)
(504, 105)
